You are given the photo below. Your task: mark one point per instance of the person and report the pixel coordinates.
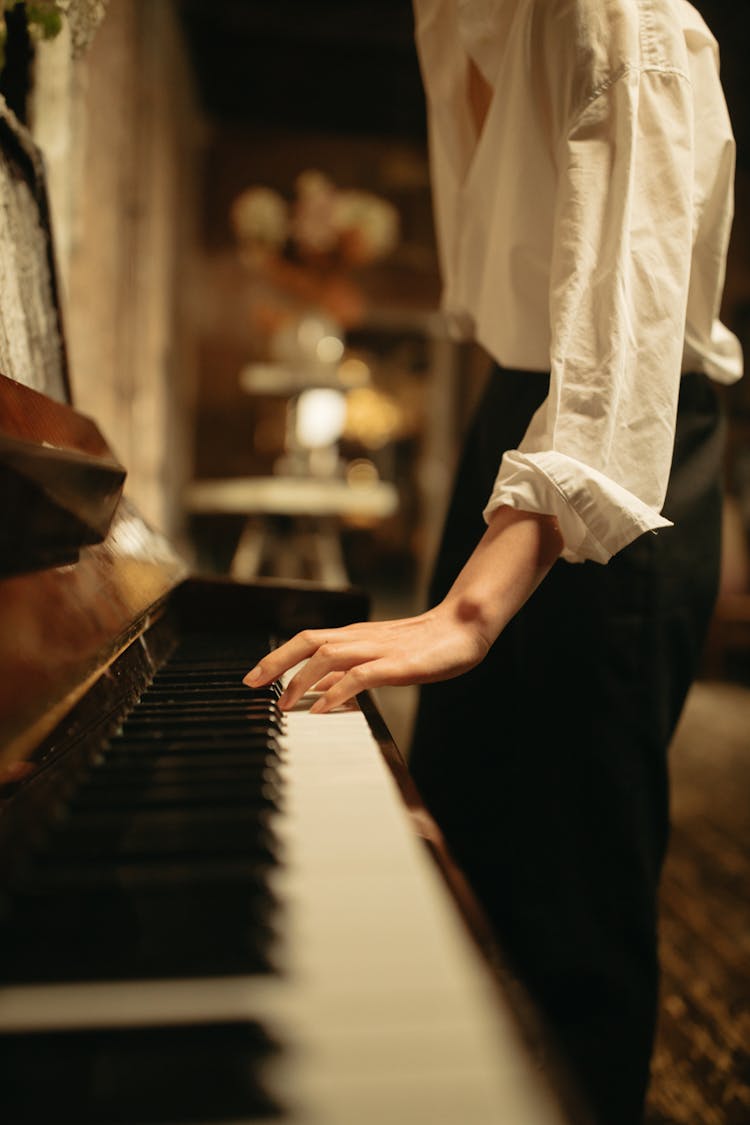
(582, 165)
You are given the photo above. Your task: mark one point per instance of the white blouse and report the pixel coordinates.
(584, 231)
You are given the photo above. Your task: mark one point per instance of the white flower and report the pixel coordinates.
(85, 17)
(371, 222)
(260, 215)
(323, 223)
(313, 227)
(312, 183)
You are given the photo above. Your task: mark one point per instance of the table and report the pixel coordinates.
(292, 525)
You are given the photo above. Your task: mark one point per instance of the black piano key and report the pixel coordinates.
(180, 688)
(226, 646)
(190, 761)
(192, 771)
(139, 1076)
(210, 735)
(176, 769)
(107, 793)
(212, 655)
(147, 933)
(232, 831)
(265, 737)
(185, 683)
(187, 757)
(161, 726)
(211, 670)
(159, 862)
(213, 663)
(192, 728)
(185, 688)
(105, 920)
(234, 723)
(225, 708)
(50, 873)
(152, 754)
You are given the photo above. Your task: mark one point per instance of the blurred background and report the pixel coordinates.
(241, 207)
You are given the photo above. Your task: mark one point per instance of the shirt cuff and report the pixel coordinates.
(597, 517)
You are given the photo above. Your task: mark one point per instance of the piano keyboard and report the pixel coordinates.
(231, 919)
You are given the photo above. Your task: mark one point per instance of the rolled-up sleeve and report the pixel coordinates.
(597, 454)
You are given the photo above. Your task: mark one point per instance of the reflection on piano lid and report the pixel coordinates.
(211, 911)
(57, 493)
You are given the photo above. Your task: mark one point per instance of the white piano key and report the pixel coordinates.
(400, 1018)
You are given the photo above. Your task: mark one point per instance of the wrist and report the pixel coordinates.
(513, 556)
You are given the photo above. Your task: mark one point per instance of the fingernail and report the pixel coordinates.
(317, 706)
(252, 677)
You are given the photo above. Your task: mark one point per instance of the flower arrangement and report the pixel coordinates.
(323, 226)
(310, 247)
(44, 19)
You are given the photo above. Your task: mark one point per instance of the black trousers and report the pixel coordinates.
(546, 766)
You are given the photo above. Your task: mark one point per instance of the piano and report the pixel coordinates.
(210, 912)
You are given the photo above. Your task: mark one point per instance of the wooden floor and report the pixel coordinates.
(701, 1071)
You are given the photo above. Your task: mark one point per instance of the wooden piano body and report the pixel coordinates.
(209, 912)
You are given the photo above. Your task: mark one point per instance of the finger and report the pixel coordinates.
(380, 671)
(376, 673)
(333, 656)
(327, 681)
(281, 659)
(362, 677)
(305, 643)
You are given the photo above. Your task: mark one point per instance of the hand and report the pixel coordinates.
(510, 560)
(340, 663)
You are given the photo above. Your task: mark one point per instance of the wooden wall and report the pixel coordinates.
(119, 127)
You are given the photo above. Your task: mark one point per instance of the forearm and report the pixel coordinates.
(513, 556)
(509, 562)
